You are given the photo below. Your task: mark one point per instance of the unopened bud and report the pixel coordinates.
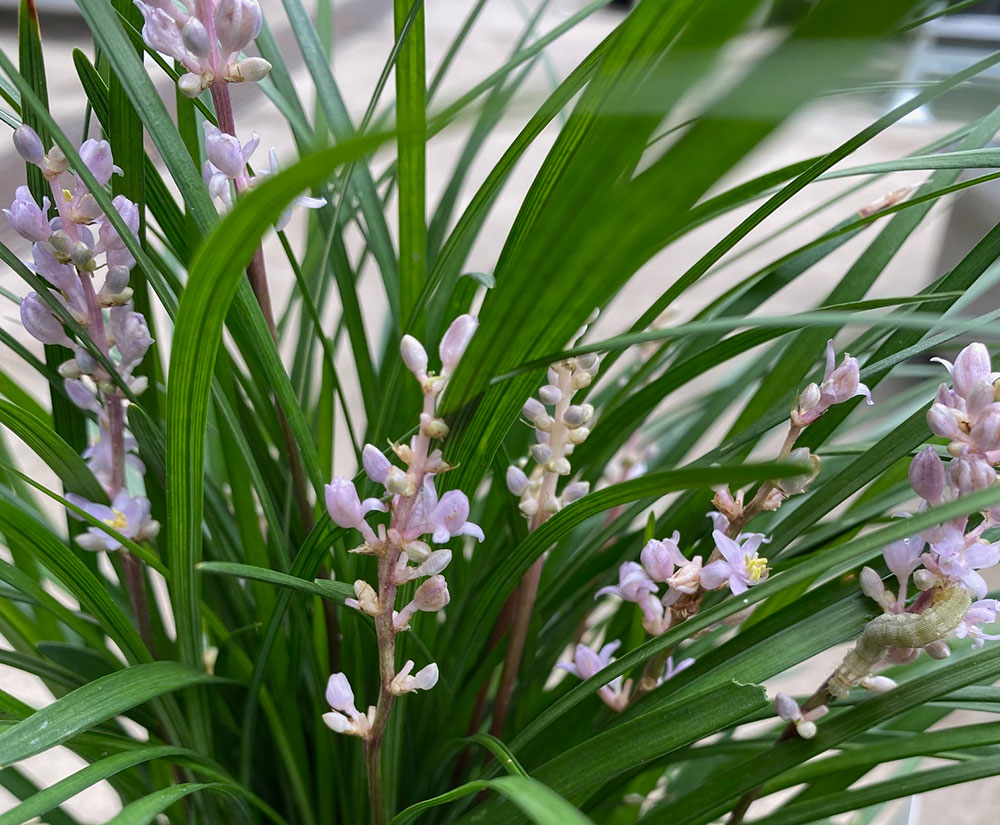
(190, 85)
(872, 587)
(577, 415)
(417, 551)
(195, 38)
(82, 256)
(398, 482)
(938, 649)
(924, 579)
(249, 70)
(878, 684)
(69, 369)
(808, 398)
(528, 507)
(581, 380)
(541, 453)
(560, 466)
(414, 355)
(550, 394)
(456, 340)
(62, 243)
(517, 481)
(575, 490)
(927, 475)
(579, 435)
(55, 163)
(367, 598)
(533, 410)
(85, 361)
(29, 145)
(436, 428)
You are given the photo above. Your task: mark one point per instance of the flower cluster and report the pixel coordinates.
(66, 250)
(556, 435)
(968, 414)
(227, 167)
(839, 384)
(418, 519)
(735, 562)
(207, 38)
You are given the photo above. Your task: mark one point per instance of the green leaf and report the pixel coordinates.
(333, 590)
(92, 704)
(542, 805)
(145, 810)
(45, 442)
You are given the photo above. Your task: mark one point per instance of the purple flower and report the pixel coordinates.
(633, 585)
(740, 567)
(961, 556)
(127, 515)
(587, 663)
(449, 518)
(28, 220)
(902, 557)
(423, 679)
(41, 323)
(971, 367)
(225, 153)
(344, 718)
(981, 612)
(96, 156)
(347, 510)
(131, 334)
(237, 23)
(661, 558)
(430, 597)
(839, 384)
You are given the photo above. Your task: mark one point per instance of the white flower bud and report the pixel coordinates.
(579, 435)
(436, 428)
(560, 466)
(528, 507)
(541, 453)
(398, 482)
(587, 362)
(924, 579)
(195, 38)
(417, 551)
(575, 490)
(190, 85)
(581, 380)
(414, 356)
(577, 415)
(249, 70)
(367, 598)
(29, 145)
(808, 398)
(552, 506)
(806, 729)
(550, 394)
(938, 649)
(878, 684)
(533, 410)
(517, 481)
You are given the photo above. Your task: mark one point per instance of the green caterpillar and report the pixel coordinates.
(905, 630)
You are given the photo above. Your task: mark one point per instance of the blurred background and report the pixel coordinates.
(362, 37)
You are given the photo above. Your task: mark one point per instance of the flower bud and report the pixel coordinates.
(552, 505)
(41, 323)
(560, 466)
(808, 398)
(971, 366)
(517, 481)
(69, 369)
(938, 649)
(367, 598)
(879, 684)
(970, 472)
(436, 428)
(550, 394)
(432, 595)
(27, 218)
(237, 23)
(581, 380)
(55, 163)
(190, 85)
(575, 490)
(579, 435)
(195, 38)
(925, 580)
(85, 362)
(398, 482)
(116, 280)
(250, 70)
(577, 415)
(342, 503)
(414, 356)
(456, 340)
(528, 507)
(61, 242)
(82, 256)
(339, 694)
(927, 475)
(533, 410)
(787, 708)
(29, 145)
(805, 729)
(376, 465)
(541, 453)
(96, 156)
(423, 679)
(986, 433)
(587, 362)
(942, 421)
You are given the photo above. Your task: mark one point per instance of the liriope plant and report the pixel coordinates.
(338, 576)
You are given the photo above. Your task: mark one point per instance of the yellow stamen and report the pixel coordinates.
(67, 195)
(119, 522)
(757, 569)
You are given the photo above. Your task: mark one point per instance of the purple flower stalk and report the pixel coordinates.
(402, 546)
